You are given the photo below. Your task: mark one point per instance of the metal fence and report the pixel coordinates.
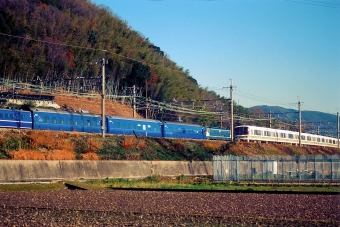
(310, 168)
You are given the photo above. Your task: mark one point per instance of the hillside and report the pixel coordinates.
(36, 51)
(49, 145)
(93, 105)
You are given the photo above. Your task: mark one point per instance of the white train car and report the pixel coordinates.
(250, 133)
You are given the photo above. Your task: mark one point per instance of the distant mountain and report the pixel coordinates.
(314, 121)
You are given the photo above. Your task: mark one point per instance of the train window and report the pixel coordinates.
(283, 135)
(128, 125)
(89, 123)
(46, 119)
(290, 136)
(303, 137)
(68, 121)
(11, 116)
(309, 138)
(95, 123)
(6, 116)
(323, 140)
(54, 120)
(61, 120)
(318, 139)
(81, 122)
(1, 116)
(123, 125)
(241, 131)
(257, 132)
(267, 133)
(75, 122)
(21, 117)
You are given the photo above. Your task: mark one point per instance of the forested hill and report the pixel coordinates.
(56, 43)
(54, 40)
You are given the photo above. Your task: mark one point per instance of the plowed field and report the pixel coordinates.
(154, 208)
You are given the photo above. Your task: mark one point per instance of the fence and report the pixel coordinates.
(316, 168)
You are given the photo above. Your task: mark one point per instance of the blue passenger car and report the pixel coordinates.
(45, 119)
(218, 134)
(180, 130)
(133, 126)
(14, 118)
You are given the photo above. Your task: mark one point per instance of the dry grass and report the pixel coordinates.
(90, 156)
(212, 144)
(141, 144)
(94, 144)
(129, 141)
(45, 139)
(133, 156)
(42, 155)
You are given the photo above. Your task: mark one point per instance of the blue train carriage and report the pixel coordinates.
(15, 118)
(181, 130)
(47, 119)
(133, 126)
(218, 134)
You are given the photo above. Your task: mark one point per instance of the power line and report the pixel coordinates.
(316, 3)
(257, 98)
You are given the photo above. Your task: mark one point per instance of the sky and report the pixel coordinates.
(274, 52)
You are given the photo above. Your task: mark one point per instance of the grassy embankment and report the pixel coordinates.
(51, 145)
(180, 182)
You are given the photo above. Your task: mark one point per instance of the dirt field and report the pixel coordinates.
(152, 208)
(94, 105)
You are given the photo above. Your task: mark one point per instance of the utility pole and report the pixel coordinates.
(134, 101)
(146, 98)
(221, 121)
(103, 62)
(299, 108)
(103, 94)
(231, 110)
(270, 119)
(337, 119)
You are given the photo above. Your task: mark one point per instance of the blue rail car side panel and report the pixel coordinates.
(180, 130)
(65, 121)
(133, 126)
(13, 118)
(218, 134)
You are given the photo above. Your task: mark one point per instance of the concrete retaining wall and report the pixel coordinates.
(17, 170)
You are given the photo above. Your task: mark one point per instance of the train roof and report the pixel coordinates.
(180, 123)
(62, 112)
(14, 109)
(132, 119)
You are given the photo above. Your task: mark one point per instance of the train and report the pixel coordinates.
(58, 120)
(250, 133)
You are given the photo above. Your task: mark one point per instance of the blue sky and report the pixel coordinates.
(274, 51)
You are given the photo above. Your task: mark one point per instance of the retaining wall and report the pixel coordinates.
(20, 170)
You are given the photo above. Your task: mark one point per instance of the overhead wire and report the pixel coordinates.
(316, 3)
